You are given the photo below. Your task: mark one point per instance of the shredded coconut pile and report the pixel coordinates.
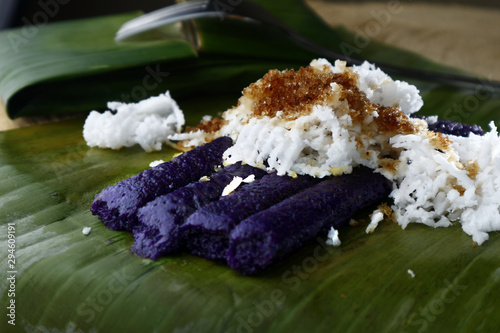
(326, 119)
(436, 187)
(303, 123)
(380, 89)
(147, 123)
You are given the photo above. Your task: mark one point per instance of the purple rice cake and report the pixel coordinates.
(266, 237)
(157, 233)
(207, 230)
(117, 205)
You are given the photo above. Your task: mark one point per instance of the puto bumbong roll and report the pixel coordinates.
(117, 205)
(270, 235)
(207, 230)
(157, 233)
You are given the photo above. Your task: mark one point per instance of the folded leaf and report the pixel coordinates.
(60, 66)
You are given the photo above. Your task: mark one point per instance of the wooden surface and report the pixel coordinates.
(462, 36)
(465, 37)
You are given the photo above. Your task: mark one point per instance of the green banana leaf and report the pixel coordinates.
(414, 280)
(76, 66)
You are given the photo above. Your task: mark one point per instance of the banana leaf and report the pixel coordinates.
(413, 280)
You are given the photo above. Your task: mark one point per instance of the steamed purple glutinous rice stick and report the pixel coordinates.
(157, 233)
(454, 128)
(266, 237)
(451, 127)
(117, 205)
(207, 230)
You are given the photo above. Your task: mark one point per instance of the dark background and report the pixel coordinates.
(15, 13)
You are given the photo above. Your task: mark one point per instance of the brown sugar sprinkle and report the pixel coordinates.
(440, 142)
(387, 211)
(473, 169)
(459, 188)
(389, 164)
(389, 120)
(210, 126)
(293, 92)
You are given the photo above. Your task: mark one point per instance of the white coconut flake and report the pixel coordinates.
(376, 217)
(333, 237)
(381, 89)
(412, 274)
(86, 230)
(205, 179)
(233, 185)
(249, 179)
(147, 123)
(156, 163)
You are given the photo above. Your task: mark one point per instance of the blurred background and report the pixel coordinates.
(459, 33)
(18, 12)
(453, 32)
(15, 13)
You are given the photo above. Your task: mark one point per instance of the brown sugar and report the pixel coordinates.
(440, 142)
(472, 169)
(208, 126)
(459, 188)
(293, 92)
